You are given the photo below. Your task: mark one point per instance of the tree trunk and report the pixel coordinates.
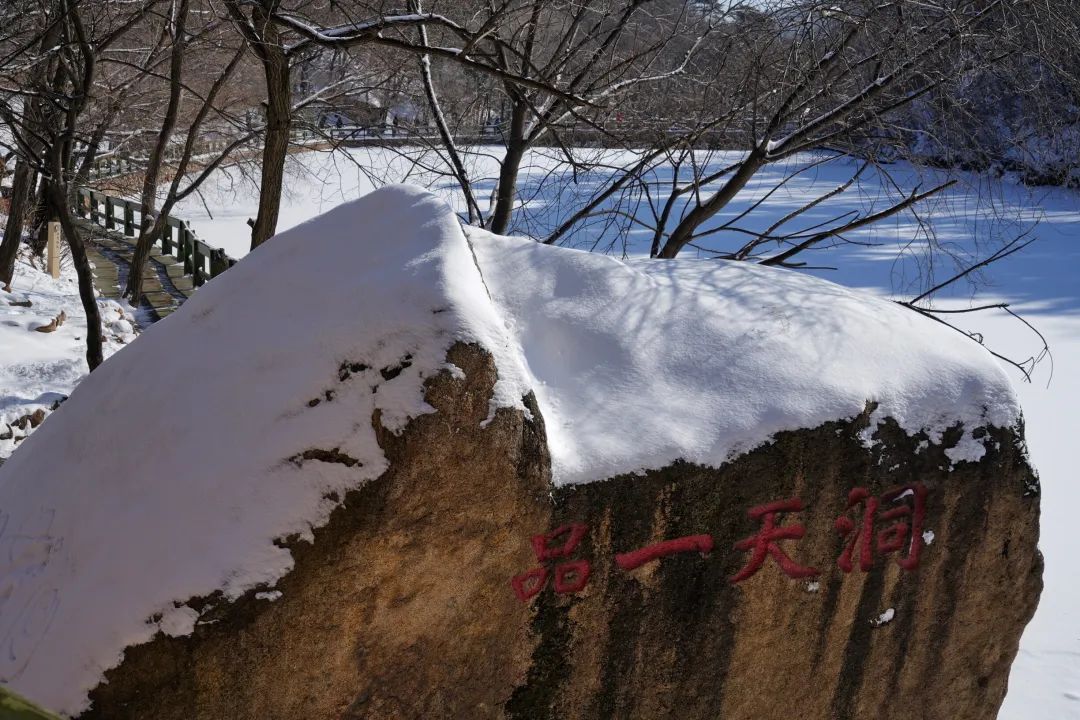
(39, 240)
(278, 123)
(684, 231)
(39, 215)
(57, 198)
(149, 226)
(20, 200)
(140, 256)
(92, 147)
(35, 117)
(508, 172)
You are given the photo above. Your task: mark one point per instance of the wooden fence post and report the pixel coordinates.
(110, 219)
(218, 262)
(188, 250)
(198, 258)
(53, 249)
(129, 219)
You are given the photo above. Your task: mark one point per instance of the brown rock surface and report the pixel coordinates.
(403, 608)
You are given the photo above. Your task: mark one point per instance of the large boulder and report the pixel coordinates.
(425, 477)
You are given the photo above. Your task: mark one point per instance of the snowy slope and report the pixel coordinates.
(94, 540)
(1045, 679)
(634, 365)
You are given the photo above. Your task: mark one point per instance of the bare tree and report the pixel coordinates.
(61, 59)
(779, 79)
(498, 43)
(182, 40)
(624, 116)
(27, 107)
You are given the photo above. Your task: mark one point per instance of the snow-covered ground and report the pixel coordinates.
(1042, 282)
(1045, 680)
(39, 369)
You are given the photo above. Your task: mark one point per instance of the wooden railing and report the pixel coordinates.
(201, 261)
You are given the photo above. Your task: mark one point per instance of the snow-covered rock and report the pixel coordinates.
(192, 485)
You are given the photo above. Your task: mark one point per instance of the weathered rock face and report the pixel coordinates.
(424, 597)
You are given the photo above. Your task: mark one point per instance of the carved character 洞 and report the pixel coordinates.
(906, 529)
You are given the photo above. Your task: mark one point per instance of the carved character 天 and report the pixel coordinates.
(762, 545)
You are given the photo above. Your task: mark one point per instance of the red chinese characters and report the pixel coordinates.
(763, 544)
(570, 577)
(891, 523)
(905, 530)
